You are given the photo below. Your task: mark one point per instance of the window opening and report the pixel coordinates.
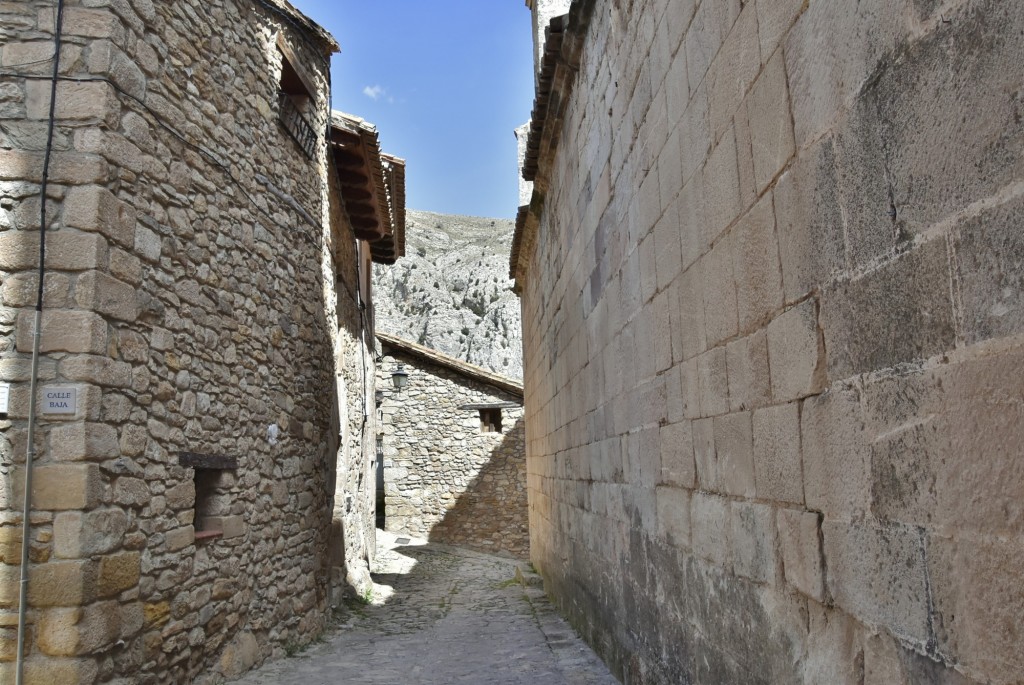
(296, 95)
(490, 420)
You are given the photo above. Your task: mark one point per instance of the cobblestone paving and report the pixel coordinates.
(444, 615)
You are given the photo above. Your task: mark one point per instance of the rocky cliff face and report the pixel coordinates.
(451, 291)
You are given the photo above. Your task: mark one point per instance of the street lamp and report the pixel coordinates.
(399, 377)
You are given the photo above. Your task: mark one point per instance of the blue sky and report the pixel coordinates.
(445, 83)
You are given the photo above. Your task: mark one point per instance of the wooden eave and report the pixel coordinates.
(391, 247)
(357, 160)
(471, 371)
(563, 49)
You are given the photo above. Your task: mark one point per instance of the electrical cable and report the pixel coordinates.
(26, 528)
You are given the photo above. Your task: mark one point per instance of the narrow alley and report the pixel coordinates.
(442, 615)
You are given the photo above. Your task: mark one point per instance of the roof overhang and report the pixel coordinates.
(372, 186)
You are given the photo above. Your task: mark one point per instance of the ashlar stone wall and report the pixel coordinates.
(773, 332)
(190, 302)
(446, 479)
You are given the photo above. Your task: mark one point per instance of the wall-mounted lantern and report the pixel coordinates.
(399, 377)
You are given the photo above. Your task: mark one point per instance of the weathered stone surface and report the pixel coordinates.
(812, 248)
(771, 127)
(777, 464)
(64, 331)
(735, 451)
(62, 583)
(709, 517)
(117, 573)
(77, 441)
(796, 354)
(677, 464)
(77, 535)
(754, 541)
(94, 208)
(908, 302)
(877, 573)
(747, 366)
(836, 454)
(800, 545)
(674, 515)
(758, 275)
(977, 604)
(989, 254)
(101, 293)
(60, 487)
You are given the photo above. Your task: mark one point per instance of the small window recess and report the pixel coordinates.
(213, 497)
(295, 99)
(490, 420)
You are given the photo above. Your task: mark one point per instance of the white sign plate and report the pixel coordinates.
(57, 400)
(5, 397)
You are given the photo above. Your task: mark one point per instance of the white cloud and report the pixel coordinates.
(373, 92)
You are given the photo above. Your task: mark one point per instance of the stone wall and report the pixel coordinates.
(445, 479)
(190, 303)
(773, 332)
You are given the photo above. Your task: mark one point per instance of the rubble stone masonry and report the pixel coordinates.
(774, 329)
(446, 478)
(190, 301)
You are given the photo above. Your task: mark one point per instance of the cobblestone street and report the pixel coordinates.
(443, 615)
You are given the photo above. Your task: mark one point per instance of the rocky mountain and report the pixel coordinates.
(451, 291)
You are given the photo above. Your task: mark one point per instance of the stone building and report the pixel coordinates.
(202, 452)
(452, 442)
(771, 275)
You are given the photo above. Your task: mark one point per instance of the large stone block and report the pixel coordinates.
(689, 336)
(833, 647)
(831, 51)
(88, 101)
(771, 126)
(774, 19)
(97, 370)
(809, 221)
(77, 535)
(734, 448)
(709, 518)
(94, 208)
(878, 574)
(733, 70)
(947, 444)
(64, 331)
(713, 382)
(758, 275)
(677, 465)
(836, 454)
(796, 353)
(61, 583)
(978, 604)
(77, 441)
(60, 486)
(722, 202)
(907, 306)
(777, 465)
(88, 23)
(800, 542)
(747, 365)
(79, 631)
(673, 515)
(719, 287)
(704, 453)
(754, 541)
(65, 250)
(106, 295)
(117, 573)
(989, 264)
(939, 81)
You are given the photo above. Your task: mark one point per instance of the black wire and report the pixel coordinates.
(51, 125)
